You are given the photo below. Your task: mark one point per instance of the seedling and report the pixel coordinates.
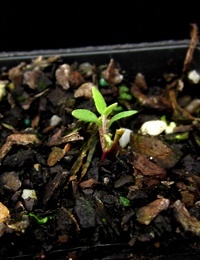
(40, 221)
(104, 121)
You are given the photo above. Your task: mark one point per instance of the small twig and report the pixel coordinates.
(91, 142)
(193, 42)
(91, 150)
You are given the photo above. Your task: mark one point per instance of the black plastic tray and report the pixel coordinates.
(146, 58)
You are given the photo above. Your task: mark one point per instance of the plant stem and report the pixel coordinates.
(103, 130)
(113, 147)
(104, 155)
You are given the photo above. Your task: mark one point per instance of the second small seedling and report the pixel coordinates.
(103, 122)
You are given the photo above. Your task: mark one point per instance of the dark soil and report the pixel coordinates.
(141, 202)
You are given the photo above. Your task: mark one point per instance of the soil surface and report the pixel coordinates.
(60, 200)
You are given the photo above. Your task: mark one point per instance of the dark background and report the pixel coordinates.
(36, 25)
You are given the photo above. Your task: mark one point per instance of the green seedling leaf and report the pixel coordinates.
(182, 136)
(40, 221)
(123, 89)
(124, 202)
(99, 101)
(109, 109)
(86, 115)
(163, 118)
(121, 115)
(108, 139)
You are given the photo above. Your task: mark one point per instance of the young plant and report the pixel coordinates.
(104, 121)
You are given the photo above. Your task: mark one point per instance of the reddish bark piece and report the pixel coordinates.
(162, 153)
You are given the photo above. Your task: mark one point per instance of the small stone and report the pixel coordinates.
(10, 180)
(194, 76)
(29, 194)
(153, 127)
(55, 120)
(125, 138)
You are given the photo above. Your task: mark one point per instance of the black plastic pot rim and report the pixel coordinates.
(94, 50)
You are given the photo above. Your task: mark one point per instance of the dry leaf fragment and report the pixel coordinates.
(148, 168)
(188, 222)
(18, 139)
(15, 74)
(163, 154)
(138, 90)
(41, 62)
(56, 155)
(90, 183)
(36, 78)
(4, 213)
(23, 139)
(86, 69)
(85, 90)
(57, 139)
(62, 75)
(147, 213)
(67, 77)
(67, 147)
(112, 73)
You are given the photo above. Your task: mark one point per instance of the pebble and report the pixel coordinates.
(153, 127)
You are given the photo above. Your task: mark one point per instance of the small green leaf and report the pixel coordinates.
(123, 89)
(39, 220)
(124, 202)
(99, 100)
(86, 115)
(125, 96)
(109, 109)
(182, 136)
(108, 138)
(121, 115)
(108, 141)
